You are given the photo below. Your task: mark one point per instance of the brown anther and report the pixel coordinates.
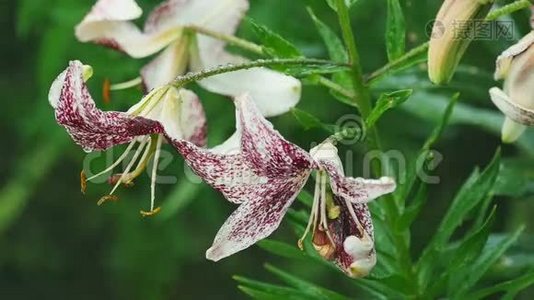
(150, 213)
(106, 91)
(83, 182)
(322, 244)
(113, 179)
(300, 244)
(107, 198)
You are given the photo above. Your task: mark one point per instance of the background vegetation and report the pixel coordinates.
(55, 242)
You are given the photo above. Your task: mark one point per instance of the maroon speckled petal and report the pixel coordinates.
(265, 148)
(356, 190)
(257, 218)
(90, 127)
(264, 174)
(228, 173)
(344, 227)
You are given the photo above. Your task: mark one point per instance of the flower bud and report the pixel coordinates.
(515, 66)
(453, 30)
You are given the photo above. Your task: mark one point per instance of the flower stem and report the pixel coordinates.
(230, 39)
(508, 9)
(362, 96)
(191, 77)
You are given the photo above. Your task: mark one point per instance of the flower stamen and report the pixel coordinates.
(83, 182)
(130, 165)
(154, 173)
(324, 219)
(313, 214)
(150, 213)
(126, 85)
(116, 163)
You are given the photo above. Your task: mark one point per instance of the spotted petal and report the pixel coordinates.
(90, 127)
(265, 174)
(356, 190)
(257, 218)
(354, 238)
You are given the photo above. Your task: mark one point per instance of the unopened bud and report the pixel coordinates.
(453, 30)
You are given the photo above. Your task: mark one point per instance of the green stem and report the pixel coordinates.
(335, 87)
(508, 9)
(362, 96)
(257, 49)
(398, 62)
(230, 39)
(191, 77)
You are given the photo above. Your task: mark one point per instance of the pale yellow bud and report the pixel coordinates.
(452, 32)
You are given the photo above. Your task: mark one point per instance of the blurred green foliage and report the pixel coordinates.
(57, 243)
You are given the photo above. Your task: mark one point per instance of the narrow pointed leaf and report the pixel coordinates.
(493, 250)
(395, 30)
(312, 289)
(273, 44)
(385, 102)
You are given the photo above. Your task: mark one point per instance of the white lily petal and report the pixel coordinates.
(108, 23)
(54, 94)
(512, 110)
(274, 93)
(220, 15)
(166, 67)
(505, 59)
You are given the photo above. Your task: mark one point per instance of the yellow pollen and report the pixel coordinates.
(150, 213)
(107, 198)
(83, 182)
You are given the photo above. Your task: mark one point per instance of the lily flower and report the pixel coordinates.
(168, 30)
(263, 173)
(164, 112)
(514, 65)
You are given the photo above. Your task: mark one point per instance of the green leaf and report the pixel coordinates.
(467, 251)
(273, 44)
(412, 211)
(395, 30)
(511, 287)
(385, 102)
(493, 250)
(475, 189)
(262, 290)
(334, 45)
(305, 198)
(309, 121)
(469, 196)
(302, 285)
(282, 249)
(348, 3)
(516, 178)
